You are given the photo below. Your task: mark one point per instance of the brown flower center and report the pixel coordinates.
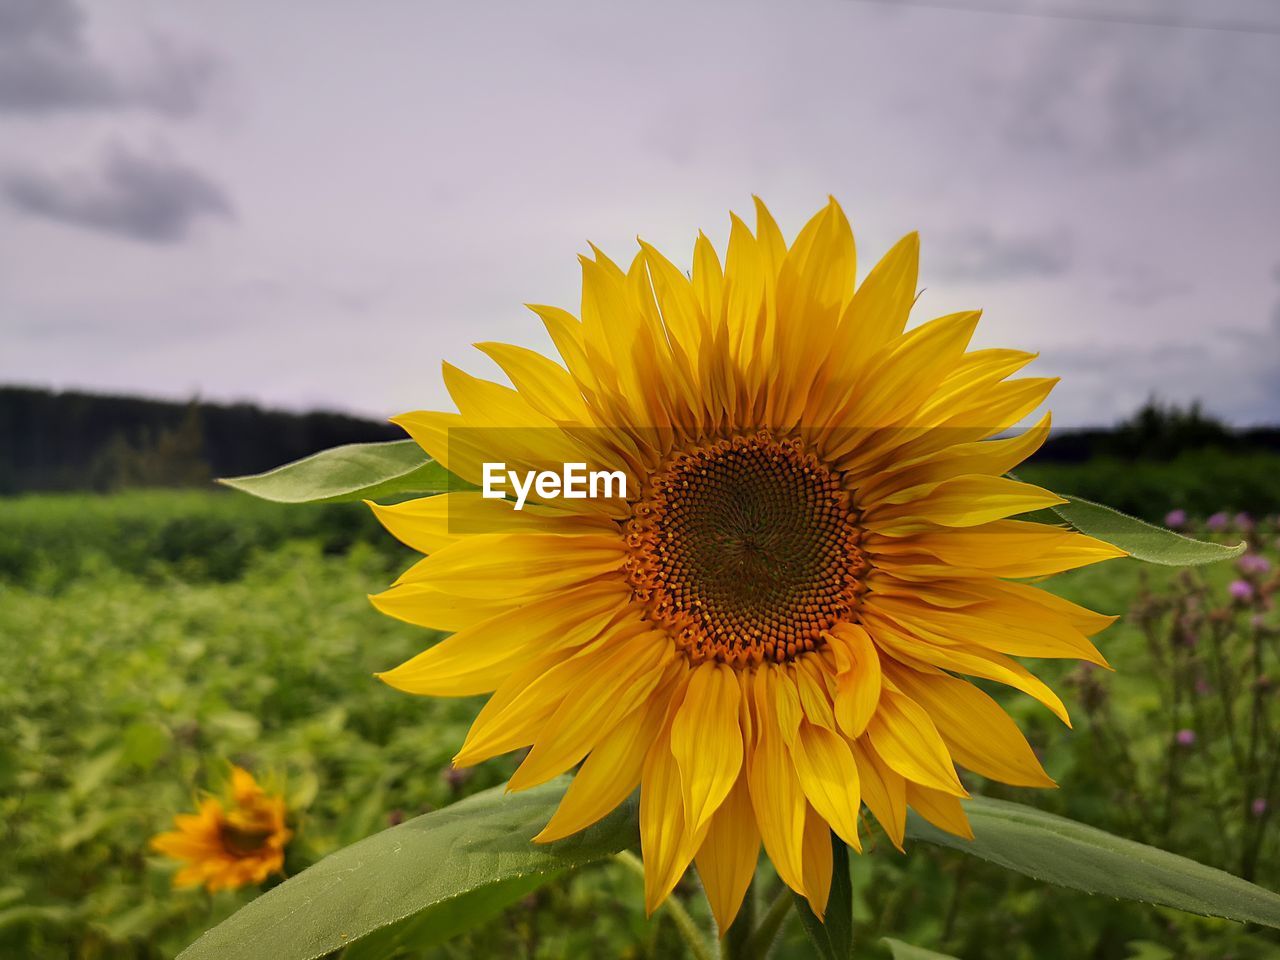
(746, 550)
(245, 835)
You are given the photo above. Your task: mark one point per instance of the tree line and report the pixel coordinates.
(72, 440)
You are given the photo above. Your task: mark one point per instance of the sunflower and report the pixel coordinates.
(229, 846)
(773, 626)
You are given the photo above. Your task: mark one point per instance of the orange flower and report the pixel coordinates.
(227, 847)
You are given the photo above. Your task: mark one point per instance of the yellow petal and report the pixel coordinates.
(1005, 548)
(522, 704)
(545, 385)
(899, 379)
(883, 791)
(973, 661)
(878, 312)
(1000, 627)
(770, 239)
(942, 810)
(817, 862)
(786, 701)
(1045, 604)
(424, 606)
(706, 741)
(478, 658)
(490, 566)
(666, 843)
(615, 684)
(858, 680)
(429, 524)
(829, 777)
(958, 502)
(447, 439)
(728, 856)
(776, 796)
(985, 457)
(811, 684)
(708, 279)
(608, 775)
(977, 732)
(744, 283)
(566, 333)
(815, 282)
(906, 738)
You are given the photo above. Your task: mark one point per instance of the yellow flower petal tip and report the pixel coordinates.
(777, 626)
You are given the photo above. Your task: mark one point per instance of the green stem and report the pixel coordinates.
(760, 941)
(689, 932)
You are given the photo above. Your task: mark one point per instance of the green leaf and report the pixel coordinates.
(905, 951)
(447, 919)
(443, 860)
(1069, 854)
(357, 471)
(832, 936)
(1142, 540)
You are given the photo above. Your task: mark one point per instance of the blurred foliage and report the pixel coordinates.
(47, 541)
(198, 629)
(1201, 482)
(149, 638)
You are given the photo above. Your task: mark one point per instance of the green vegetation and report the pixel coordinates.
(1201, 482)
(149, 638)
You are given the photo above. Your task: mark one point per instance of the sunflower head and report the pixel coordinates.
(779, 622)
(231, 841)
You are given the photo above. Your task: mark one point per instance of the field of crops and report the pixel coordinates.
(148, 639)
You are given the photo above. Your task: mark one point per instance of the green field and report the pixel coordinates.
(149, 638)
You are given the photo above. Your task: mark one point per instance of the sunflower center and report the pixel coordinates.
(746, 550)
(243, 836)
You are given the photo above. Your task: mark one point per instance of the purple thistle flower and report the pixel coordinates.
(1186, 738)
(1203, 688)
(1253, 563)
(1175, 519)
(1217, 521)
(1259, 806)
(1241, 590)
(1243, 521)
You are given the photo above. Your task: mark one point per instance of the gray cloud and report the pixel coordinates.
(151, 199)
(980, 254)
(1141, 284)
(1236, 375)
(47, 66)
(1116, 96)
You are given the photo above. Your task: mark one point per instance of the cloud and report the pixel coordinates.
(982, 255)
(150, 199)
(47, 66)
(1134, 96)
(1236, 375)
(1139, 284)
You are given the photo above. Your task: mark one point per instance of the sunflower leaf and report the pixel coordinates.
(1142, 540)
(356, 471)
(1060, 851)
(905, 951)
(446, 919)
(461, 863)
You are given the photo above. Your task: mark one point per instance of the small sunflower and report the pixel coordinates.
(228, 846)
(772, 627)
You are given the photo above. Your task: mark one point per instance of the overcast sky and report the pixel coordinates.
(315, 203)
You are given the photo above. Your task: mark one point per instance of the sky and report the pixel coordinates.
(314, 204)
